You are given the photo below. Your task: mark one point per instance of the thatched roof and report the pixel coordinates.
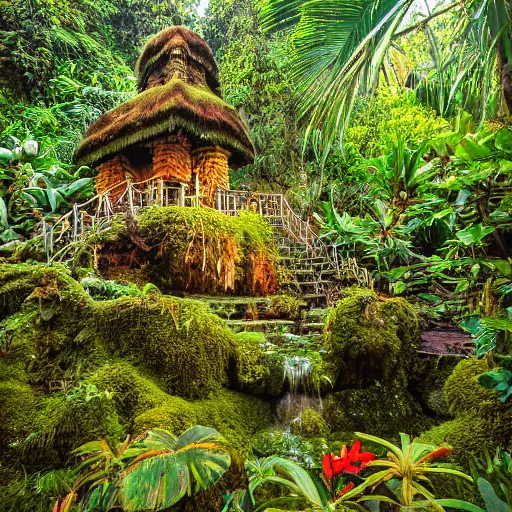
(160, 48)
(165, 109)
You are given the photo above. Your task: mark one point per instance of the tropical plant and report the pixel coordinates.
(33, 185)
(165, 466)
(493, 475)
(306, 492)
(499, 379)
(340, 46)
(335, 469)
(408, 467)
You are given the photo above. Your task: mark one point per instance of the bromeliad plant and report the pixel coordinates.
(305, 490)
(164, 466)
(407, 471)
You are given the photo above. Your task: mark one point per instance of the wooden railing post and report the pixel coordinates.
(75, 221)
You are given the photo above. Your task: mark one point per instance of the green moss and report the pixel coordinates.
(180, 341)
(236, 416)
(285, 306)
(19, 405)
(256, 338)
(371, 339)
(251, 366)
(64, 423)
(310, 424)
(44, 333)
(482, 421)
(133, 392)
(200, 250)
(46, 285)
(377, 410)
(177, 415)
(464, 395)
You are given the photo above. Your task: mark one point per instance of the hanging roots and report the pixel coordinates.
(172, 160)
(211, 166)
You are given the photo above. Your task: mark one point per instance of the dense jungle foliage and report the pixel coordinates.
(387, 125)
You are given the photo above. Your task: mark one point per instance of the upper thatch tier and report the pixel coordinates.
(166, 109)
(164, 46)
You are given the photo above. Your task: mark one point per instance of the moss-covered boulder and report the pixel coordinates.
(310, 424)
(180, 341)
(19, 408)
(482, 422)
(370, 339)
(379, 410)
(235, 415)
(195, 249)
(52, 288)
(43, 336)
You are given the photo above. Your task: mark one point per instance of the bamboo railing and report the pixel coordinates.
(97, 212)
(276, 209)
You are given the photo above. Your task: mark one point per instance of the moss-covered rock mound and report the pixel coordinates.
(482, 422)
(180, 341)
(193, 249)
(379, 410)
(73, 370)
(371, 339)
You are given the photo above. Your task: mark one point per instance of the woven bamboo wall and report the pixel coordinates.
(110, 173)
(211, 167)
(172, 160)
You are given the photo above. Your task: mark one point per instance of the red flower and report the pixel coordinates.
(332, 465)
(345, 489)
(355, 455)
(435, 454)
(349, 461)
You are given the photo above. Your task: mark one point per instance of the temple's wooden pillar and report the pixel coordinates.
(172, 160)
(111, 173)
(210, 164)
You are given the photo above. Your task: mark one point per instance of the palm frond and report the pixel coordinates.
(339, 48)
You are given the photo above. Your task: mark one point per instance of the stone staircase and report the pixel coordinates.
(310, 273)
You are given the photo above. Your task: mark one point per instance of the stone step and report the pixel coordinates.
(312, 327)
(316, 271)
(261, 325)
(315, 314)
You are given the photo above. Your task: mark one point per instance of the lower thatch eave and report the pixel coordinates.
(162, 110)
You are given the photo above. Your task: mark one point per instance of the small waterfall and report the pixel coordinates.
(297, 371)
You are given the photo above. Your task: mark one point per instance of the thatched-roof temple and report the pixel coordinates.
(177, 128)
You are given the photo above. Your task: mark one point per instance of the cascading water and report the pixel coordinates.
(298, 374)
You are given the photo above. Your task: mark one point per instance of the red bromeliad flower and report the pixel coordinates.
(356, 455)
(332, 465)
(345, 489)
(435, 454)
(349, 461)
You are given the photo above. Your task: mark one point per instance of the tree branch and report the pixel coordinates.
(428, 19)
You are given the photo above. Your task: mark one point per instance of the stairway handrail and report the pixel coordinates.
(311, 240)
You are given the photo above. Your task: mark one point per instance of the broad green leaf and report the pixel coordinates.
(474, 234)
(168, 467)
(492, 501)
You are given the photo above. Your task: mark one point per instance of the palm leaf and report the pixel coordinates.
(339, 48)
